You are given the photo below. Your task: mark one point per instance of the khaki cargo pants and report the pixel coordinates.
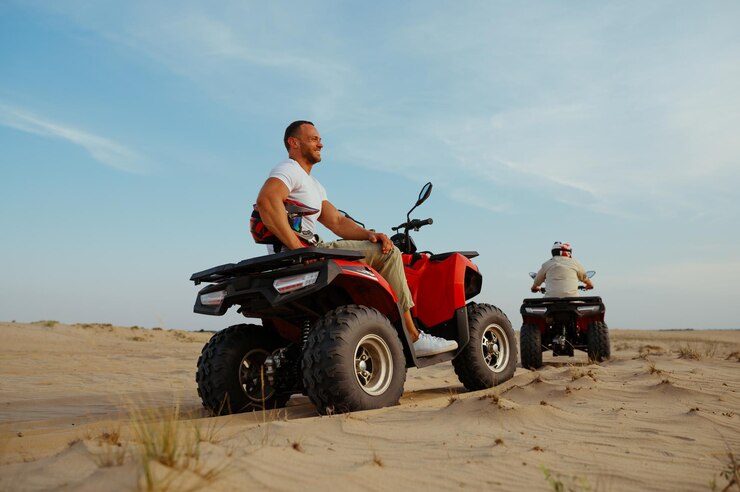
(389, 265)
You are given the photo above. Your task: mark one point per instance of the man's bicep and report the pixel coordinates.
(330, 216)
(272, 189)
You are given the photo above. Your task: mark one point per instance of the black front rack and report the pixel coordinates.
(272, 262)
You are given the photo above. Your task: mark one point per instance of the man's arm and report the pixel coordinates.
(538, 279)
(583, 276)
(348, 228)
(272, 211)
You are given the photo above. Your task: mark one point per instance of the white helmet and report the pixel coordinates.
(561, 249)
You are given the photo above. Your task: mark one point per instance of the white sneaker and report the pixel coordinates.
(428, 345)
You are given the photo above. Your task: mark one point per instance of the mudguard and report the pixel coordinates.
(441, 284)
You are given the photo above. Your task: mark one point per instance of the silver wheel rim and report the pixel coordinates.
(252, 377)
(373, 365)
(495, 347)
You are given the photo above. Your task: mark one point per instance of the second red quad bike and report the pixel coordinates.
(331, 327)
(562, 324)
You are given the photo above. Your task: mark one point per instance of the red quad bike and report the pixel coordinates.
(563, 324)
(331, 328)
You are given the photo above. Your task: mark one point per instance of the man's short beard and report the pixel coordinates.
(310, 158)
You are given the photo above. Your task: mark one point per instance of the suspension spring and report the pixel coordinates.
(306, 329)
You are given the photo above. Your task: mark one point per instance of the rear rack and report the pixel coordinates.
(272, 262)
(559, 300)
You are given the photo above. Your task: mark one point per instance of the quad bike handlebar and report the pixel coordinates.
(402, 239)
(414, 224)
(589, 274)
(544, 289)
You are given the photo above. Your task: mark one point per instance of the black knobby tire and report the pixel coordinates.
(230, 373)
(530, 341)
(489, 358)
(599, 348)
(353, 360)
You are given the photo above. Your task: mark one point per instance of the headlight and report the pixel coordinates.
(213, 298)
(295, 282)
(536, 310)
(587, 309)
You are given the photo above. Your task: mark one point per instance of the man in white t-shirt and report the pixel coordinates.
(292, 180)
(561, 273)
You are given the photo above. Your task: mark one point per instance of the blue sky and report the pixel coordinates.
(134, 137)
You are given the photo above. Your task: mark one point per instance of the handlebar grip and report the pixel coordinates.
(416, 223)
(413, 224)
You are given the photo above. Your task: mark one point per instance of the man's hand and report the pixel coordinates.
(535, 288)
(589, 285)
(386, 244)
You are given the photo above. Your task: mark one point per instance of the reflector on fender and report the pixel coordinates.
(536, 310)
(295, 282)
(213, 298)
(587, 309)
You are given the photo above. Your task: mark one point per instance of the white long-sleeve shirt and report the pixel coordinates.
(561, 275)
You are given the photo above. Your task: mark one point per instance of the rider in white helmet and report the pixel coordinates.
(562, 273)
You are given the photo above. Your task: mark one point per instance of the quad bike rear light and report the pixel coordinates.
(295, 282)
(536, 310)
(213, 298)
(587, 309)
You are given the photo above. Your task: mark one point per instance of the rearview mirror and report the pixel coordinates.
(532, 274)
(590, 273)
(426, 190)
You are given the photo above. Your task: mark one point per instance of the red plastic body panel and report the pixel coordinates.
(364, 286)
(367, 287)
(355, 269)
(437, 287)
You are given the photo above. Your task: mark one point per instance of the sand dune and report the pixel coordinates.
(76, 403)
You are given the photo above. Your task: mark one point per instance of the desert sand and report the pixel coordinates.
(98, 407)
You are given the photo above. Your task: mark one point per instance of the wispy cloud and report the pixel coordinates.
(621, 109)
(207, 36)
(232, 62)
(473, 197)
(606, 107)
(101, 149)
(226, 51)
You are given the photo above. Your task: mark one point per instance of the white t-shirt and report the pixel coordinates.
(302, 188)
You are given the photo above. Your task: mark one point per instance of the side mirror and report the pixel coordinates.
(590, 273)
(532, 274)
(426, 190)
